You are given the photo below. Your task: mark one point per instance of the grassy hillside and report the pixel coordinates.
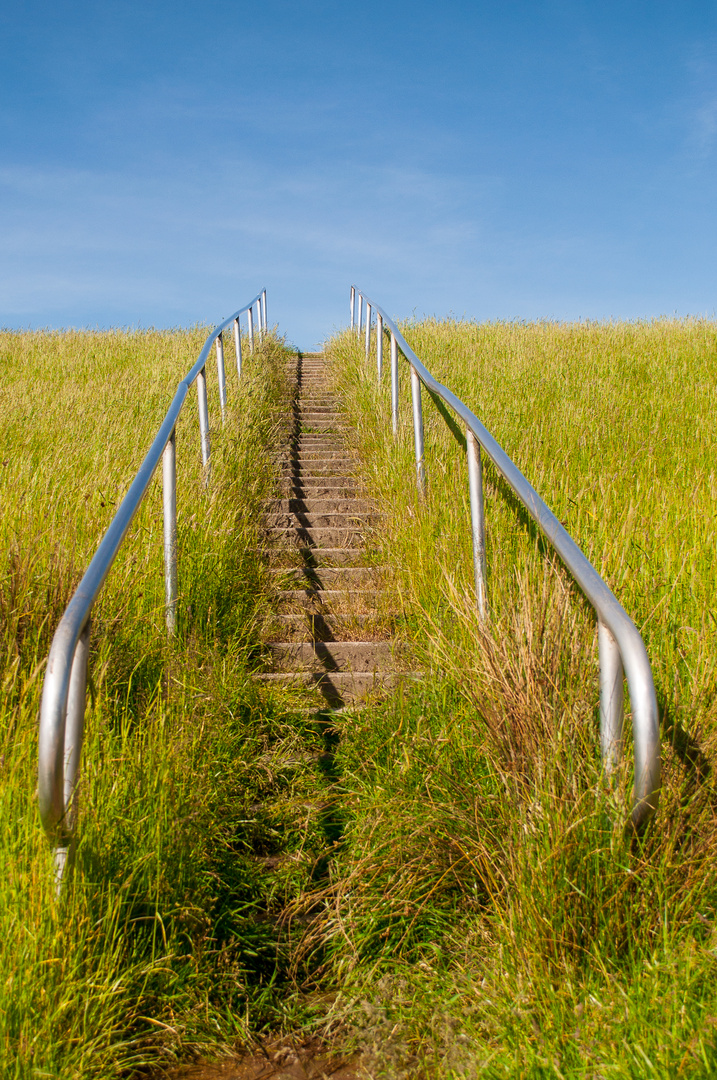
(487, 914)
(483, 912)
(164, 941)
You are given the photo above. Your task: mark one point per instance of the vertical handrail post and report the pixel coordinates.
(352, 304)
(394, 383)
(359, 319)
(250, 317)
(74, 731)
(221, 376)
(75, 723)
(418, 431)
(263, 311)
(368, 329)
(475, 489)
(379, 344)
(237, 346)
(203, 416)
(169, 498)
(611, 698)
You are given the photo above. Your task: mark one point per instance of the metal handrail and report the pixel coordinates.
(62, 710)
(620, 645)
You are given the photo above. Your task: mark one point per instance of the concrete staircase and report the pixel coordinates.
(331, 630)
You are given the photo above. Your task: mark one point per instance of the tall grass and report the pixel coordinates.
(487, 909)
(166, 940)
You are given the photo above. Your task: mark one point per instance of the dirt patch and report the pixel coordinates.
(307, 1060)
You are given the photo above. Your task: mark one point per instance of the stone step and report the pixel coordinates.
(355, 601)
(296, 557)
(308, 521)
(321, 453)
(363, 656)
(297, 505)
(311, 471)
(345, 487)
(339, 687)
(328, 578)
(318, 537)
(319, 412)
(308, 627)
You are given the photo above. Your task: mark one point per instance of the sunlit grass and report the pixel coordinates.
(488, 909)
(165, 940)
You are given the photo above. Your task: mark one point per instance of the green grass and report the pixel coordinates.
(487, 914)
(167, 940)
(456, 894)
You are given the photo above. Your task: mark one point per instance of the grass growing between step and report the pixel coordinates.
(487, 914)
(168, 938)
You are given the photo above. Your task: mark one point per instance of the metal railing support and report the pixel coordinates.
(203, 416)
(237, 346)
(368, 330)
(379, 345)
(394, 383)
(418, 431)
(250, 317)
(263, 311)
(75, 724)
(352, 305)
(360, 316)
(620, 645)
(611, 698)
(169, 499)
(221, 377)
(64, 688)
(475, 490)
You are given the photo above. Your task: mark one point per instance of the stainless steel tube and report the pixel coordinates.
(169, 499)
(379, 345)
(475, 489)
(263, 311)
(250, 317)
(368, 329)
(75, 725)
(359, 320)
(418, 431)
(203, 416)
(237, 346)
(611, 698)
(394, 383)
(352, 304)
(221, 376)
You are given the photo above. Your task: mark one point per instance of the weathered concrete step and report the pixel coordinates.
(355, 601)
(335, 448)
(291, 557)
(329, 578)
(314, 426)
(301, 520)
(311, 471)
(322, 453)
(297, 505)
(296, 489)
(332, 485)
(334, 655)
(312, 627)
(340, 686)
(318, 537)
(319, 412)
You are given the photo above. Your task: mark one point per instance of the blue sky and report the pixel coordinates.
(159, 163)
